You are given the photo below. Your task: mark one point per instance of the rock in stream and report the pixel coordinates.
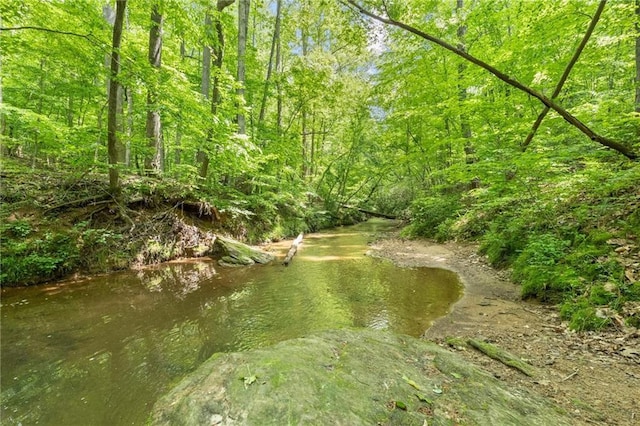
(235, 253)
(349, 377)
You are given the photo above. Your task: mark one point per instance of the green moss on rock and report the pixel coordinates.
(233, 252)
(349, 377)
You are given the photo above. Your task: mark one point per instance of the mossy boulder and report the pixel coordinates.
(235, 253)
(349, 377)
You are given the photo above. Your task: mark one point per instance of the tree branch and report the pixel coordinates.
(617, 146)
(565, 75)
(49, 30)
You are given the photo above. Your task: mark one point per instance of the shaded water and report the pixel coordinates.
(100, 352)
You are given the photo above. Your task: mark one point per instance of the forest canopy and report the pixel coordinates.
(331, 99)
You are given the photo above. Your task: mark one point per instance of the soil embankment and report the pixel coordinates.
(595, 376)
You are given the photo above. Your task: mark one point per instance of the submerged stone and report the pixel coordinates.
(236, 253)
(349, 377)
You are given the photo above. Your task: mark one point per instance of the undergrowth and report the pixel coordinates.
(570, 238)
(46, 233)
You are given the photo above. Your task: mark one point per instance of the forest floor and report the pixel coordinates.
(594, 376)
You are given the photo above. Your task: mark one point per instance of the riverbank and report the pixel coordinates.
(595, 376)
(55, 225)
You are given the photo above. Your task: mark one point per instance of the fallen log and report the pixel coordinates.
(503, 356)
(368, 212)
(292, 250)
(92, 200)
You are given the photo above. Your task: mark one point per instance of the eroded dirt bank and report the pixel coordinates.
(595, 376)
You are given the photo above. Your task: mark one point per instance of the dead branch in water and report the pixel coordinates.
(292, 250)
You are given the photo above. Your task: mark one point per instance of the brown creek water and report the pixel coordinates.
(103, 350)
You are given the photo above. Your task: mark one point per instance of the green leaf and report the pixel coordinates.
(249, 380)
(411, 383)
(423, 398)
(401, 405)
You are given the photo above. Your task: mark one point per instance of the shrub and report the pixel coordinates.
(504, 240)
(429, 213)
(548, 283)
(33, 260)
(582, 315)
(599, 296)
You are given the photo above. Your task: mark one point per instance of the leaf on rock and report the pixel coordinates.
(411, 383)
(423, 398)
(401, 405)
(249, 380)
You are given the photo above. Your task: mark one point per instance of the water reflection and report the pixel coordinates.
(102, 351)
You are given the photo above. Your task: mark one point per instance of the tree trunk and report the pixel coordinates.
(303, 118)
(3, 121)
(155, 161)
(566, 73)
(127, 148)
(216, 97)
(274, 43)
(279, 86)
(120, 147)
(112, 124)
(312, 147)
(206, 57)
(465, 127)
(243, 24)
(638, 57)
(70, 111)
(202, 156)
(109, 16)
(617, 146)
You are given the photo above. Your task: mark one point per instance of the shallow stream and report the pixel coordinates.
(101, 351)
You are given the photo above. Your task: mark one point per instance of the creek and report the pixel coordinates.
(101, 351)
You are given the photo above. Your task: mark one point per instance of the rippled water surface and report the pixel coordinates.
(101, 351)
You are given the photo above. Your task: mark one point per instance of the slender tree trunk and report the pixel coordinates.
(112, 124)
(120, 147)
(3, 120)
(312, 154)
(274, 43)
(41, 88)
(70, 111)
(127, 148)
(109, 16)
(96, 152)
(638, 57)
(279, 86)
(178, 153)
(567, 71)
(617, 146)
(216, 97)
(465, 127)
(154, 160)
(305, 132)
(243, 24)
(206, 57)
(202, 156)
(305, 147)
